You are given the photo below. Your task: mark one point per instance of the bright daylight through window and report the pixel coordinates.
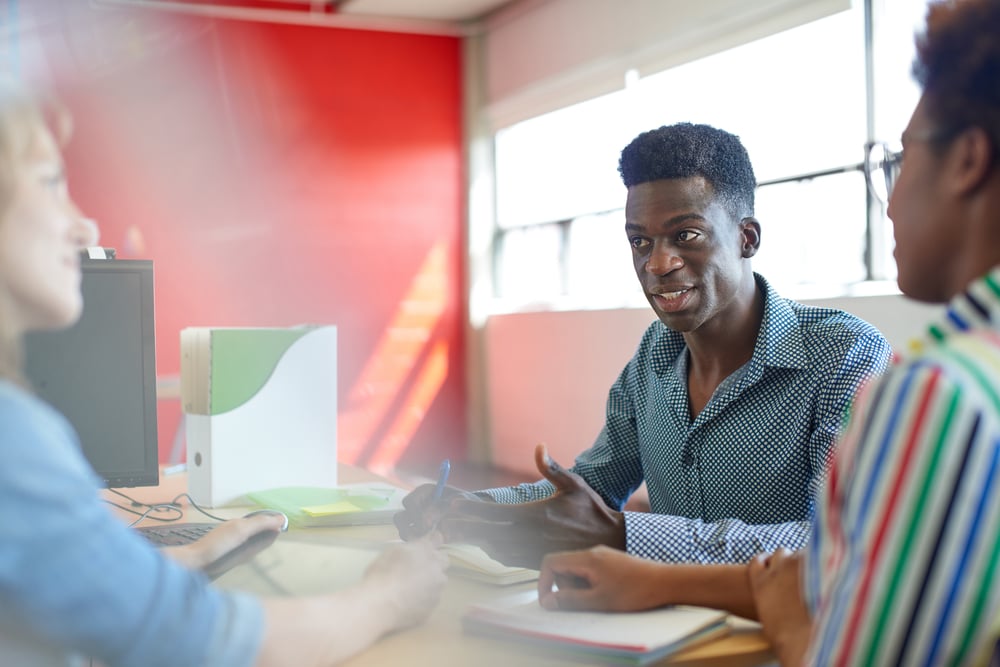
(798, 101)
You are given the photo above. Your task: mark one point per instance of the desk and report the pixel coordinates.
(316, 560)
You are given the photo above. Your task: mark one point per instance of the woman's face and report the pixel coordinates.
(41, 235)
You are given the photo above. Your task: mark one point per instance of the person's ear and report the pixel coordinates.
(749, 237)
(971, 158)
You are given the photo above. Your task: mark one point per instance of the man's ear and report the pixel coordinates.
(750, 237)
(971, 160)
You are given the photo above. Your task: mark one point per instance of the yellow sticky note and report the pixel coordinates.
(339, 507)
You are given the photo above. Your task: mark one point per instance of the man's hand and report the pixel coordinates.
(575, 517)
(776, 582)
(421, 512)
(599, 578)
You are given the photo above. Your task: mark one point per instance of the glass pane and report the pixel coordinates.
(600, 271)
(813, 232)
(562, 164)
(796, 99)
(794, 115)
(896, 93)
(529, 268)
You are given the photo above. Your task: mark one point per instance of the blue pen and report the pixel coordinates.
(442, 479)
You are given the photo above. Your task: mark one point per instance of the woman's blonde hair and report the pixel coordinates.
(21, 113)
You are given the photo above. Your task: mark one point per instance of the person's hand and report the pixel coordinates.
(599, 578)
(421, 512)
(410, 578)
(222, 539)
(776, 582)
(575, 517)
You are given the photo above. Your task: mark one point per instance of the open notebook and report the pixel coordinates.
(636, 638)
(471, 562)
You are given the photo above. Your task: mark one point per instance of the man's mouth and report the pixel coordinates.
(672, 300)
(670, 296)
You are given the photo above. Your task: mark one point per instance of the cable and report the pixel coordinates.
(196, 506)
(172, 506)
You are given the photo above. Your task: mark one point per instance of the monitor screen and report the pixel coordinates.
(101, 373)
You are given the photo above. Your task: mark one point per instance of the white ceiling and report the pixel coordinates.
(448, 17)
(434, 10)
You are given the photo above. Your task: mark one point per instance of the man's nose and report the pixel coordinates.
(663, 259)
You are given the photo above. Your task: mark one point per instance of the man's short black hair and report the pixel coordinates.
(685, 150)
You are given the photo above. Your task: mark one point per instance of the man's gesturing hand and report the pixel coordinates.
(575, 517)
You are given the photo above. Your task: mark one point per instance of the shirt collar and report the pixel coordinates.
(779, 341)
(978, 307)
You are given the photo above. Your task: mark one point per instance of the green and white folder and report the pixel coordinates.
(260, 409)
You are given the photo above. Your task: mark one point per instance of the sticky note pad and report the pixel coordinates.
(350, 504)
(331, 508)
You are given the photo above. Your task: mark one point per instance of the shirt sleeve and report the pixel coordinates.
(611, 466)
(901, 566)
(678, 539)
(74, 576)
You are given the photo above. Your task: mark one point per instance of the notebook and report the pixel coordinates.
(345, 505)
(471, 562)
(635, 638)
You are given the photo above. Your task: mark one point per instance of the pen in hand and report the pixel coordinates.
(442, 480)
(439, 487)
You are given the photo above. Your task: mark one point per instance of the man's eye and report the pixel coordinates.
(637, 242)
(688, 235)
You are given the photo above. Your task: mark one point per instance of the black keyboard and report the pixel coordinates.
(174, 534)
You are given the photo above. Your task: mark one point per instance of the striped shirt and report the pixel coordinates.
(741, 476)
(902, 567)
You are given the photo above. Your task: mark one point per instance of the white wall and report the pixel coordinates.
(548, 373)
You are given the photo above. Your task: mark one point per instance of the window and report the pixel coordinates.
(803, 118)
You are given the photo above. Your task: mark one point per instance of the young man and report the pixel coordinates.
(902, 567)
(729, 408)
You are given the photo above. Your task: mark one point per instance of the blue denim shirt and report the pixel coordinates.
(739, 478)
(75, 581)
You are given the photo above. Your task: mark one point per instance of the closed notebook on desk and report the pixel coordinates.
(636, 638)
(347, 505)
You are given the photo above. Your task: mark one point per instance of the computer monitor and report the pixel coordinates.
(101, 372)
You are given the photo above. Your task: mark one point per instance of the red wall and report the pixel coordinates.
(281, 174)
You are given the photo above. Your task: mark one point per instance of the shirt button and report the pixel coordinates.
(687, 456)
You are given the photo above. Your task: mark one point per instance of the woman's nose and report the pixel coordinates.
(87, 232)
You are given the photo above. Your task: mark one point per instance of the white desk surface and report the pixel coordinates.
(314, 560)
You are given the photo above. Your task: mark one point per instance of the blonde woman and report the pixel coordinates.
(76, 583)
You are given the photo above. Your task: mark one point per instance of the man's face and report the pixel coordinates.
(926, 247)
(688, 251)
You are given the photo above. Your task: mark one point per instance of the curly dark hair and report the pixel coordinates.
(685, 150)
(958, 65)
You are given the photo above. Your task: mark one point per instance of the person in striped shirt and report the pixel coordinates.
(903, 563)
(903, 566)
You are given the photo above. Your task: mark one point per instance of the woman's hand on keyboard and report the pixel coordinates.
(225, 538)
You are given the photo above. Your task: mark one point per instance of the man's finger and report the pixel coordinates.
(419, 498)
(573, 599)
(552, 471)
